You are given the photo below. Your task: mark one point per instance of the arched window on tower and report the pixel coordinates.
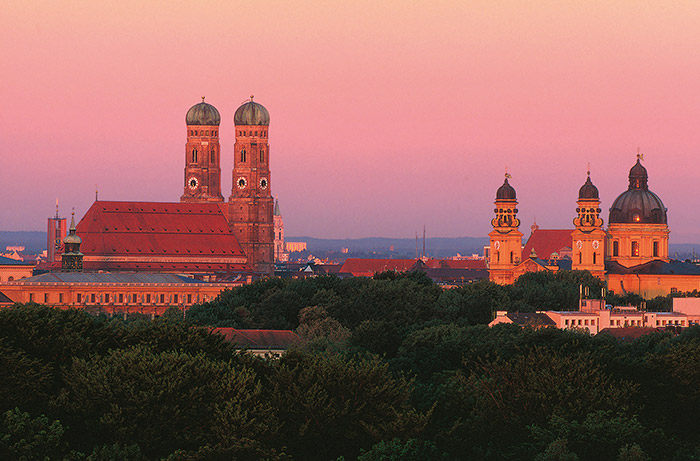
(635, 248)
(242, 155)
(656, 249)
(213, 156)
(511, 257)
(616, 248)
(580, 258)
(194, 155)
(594, 258)
(262, 155)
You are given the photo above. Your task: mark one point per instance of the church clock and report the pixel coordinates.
(192, 183)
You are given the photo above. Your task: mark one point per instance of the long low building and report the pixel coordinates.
(594, 317)
(113, 292)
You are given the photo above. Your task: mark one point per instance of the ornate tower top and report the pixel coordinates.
(506, 191)
(505, 210)
(588, 191)
(588, 211)
(72, 258)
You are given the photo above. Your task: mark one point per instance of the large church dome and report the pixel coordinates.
(203, 114)
(251, 113)
(638, 204)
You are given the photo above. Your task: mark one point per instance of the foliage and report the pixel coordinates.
(25, 438)
(398, 450)
(392, 367)
(334, 405)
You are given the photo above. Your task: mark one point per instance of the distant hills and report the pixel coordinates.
(35, 242)
(403, 247)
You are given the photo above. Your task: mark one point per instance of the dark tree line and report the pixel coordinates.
(390, 368)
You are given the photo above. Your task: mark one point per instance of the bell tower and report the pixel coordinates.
(588, 239)
(505, 238)
(72, 258)
(251, 203)
(202, 155)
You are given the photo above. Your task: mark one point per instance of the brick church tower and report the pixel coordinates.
(251, 203)
(202, 155)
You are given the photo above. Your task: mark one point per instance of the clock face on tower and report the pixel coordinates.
(579, 244)
(263, 183)
(596, 244)
(192, 183)
(241, 183)
(497, 245)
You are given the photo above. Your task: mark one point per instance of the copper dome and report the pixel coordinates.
(203, 114)
(251, 113)
(638, 204)
(505, 192)
(588, 191)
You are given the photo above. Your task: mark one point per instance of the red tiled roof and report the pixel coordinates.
(260, 339)
(456, 263)
(359, 267)
(547, 241)
(629, 333)
(161, 235)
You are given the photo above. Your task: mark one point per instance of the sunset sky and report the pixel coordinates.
(385, 115)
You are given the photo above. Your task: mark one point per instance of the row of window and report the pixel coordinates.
(120, 298)
(263, 134)
(581, 322)
(203, 132)
(621, 323)
(634, 248)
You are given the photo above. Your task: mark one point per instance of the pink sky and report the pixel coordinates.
(385, 115)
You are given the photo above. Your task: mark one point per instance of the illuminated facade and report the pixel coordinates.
(631, 256)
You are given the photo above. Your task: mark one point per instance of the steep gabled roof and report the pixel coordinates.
(159, 236)
(547, 241)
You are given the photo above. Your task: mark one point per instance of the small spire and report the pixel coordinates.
(72, 221)
(640, 156)
(202, 98)
(508, 176)
(251, 98)
(588, 169)
(96, 190)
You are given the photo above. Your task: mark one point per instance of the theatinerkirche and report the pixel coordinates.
(631, 255)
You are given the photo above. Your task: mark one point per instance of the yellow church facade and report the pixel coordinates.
(631, 255)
